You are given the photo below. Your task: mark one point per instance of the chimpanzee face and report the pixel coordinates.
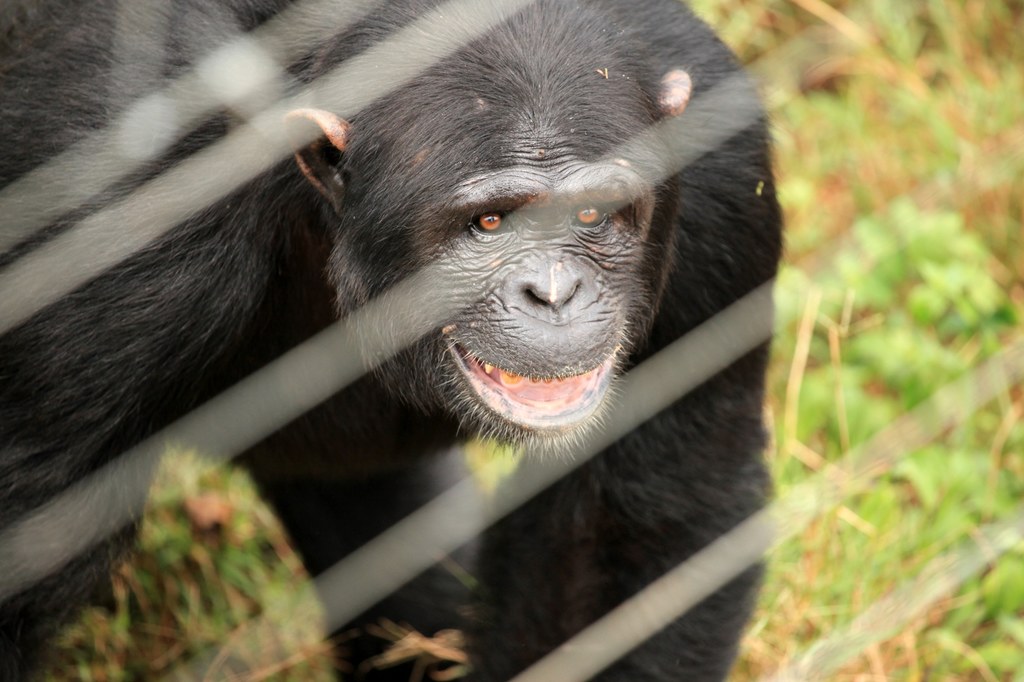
(554, 252)
(532, 219)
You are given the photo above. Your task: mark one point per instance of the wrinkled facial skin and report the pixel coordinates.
(557, 263)
(555, 256)
(549, 263)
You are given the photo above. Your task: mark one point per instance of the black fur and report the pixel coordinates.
(239, 282)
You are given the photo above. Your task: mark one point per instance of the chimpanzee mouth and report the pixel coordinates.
(537, 402)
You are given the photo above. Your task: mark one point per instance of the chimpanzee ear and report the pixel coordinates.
(318, 160)
(676, 88)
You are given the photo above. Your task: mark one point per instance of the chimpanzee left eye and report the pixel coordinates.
(489, 223)
(589, 216)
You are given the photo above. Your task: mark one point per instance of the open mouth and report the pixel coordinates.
(537, 402)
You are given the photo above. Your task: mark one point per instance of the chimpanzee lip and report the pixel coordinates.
(538, 402)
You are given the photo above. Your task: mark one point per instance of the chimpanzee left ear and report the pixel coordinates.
(676, 88)
(318, 160)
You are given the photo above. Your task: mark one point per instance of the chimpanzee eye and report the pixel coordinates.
(588, 215)
(489, 222)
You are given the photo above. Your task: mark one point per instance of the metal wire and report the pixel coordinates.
(240, 417)
(640, 617)
(237, 69)
(100, 241)
(883, 619)
(453, 518)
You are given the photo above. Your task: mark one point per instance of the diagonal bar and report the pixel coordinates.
(654, 607)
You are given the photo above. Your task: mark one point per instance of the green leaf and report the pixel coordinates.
(1003, 587)
(926, 305)
(1013, 627)
(924, 473)
(1002, 656)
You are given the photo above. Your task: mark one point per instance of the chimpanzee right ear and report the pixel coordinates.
(676, 88)
(318, 160)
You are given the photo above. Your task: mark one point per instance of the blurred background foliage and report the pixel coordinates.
(899, 128)
(900, 145)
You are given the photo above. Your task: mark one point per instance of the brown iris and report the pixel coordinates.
(489, 222)
(588, 216)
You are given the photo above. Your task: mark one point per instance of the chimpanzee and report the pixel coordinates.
(570, 174)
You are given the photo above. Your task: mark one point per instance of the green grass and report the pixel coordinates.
(900, 136)
(211, 558)
(900, 146)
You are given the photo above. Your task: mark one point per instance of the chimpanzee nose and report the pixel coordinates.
(550, 289)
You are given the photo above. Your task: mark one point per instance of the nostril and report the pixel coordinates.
(554, 296)
(534, 296)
